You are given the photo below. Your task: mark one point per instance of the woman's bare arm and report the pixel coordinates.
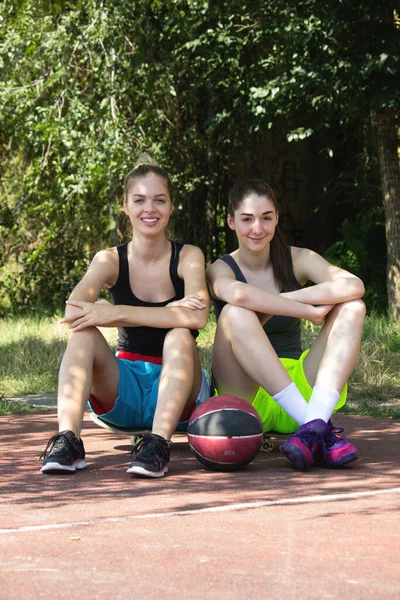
(103, 270)
(332, 285)
(225, 287)
(191, 269)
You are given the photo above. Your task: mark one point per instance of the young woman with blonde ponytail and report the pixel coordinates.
(159, 302)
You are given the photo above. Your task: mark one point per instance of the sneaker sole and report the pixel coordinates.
(54, 467)
(296, 457)
(145, 473)
(344, 461)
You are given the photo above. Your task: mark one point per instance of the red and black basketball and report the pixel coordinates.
(225, 433)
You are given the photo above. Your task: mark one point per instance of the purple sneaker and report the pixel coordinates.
(335, 450)
(302, 447)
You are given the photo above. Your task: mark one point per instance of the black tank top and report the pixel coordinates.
(144, 340)
(284, 333)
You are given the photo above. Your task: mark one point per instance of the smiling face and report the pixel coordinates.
(148, 204)
(254, 221)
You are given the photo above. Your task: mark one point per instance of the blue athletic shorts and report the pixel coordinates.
(137, 397)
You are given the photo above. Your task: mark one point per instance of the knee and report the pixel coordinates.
(354, 310)
(237, 315)
(357, 308)
(84, 338)
(179, 336)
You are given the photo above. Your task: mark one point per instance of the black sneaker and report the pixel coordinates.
(151, 456)
(64, 452)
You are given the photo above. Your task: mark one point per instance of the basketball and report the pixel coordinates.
(225, 433)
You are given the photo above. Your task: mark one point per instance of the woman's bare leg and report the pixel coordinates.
(333, 357)
(327, 367)
(88, 366)
(334, 354)
(180, 380)
(243, 358)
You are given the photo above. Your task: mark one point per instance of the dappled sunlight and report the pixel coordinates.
(30, 365)
(176, 380)
(67, 390)
(73, 384)
(31, 351)
(77, 372)
(268, 477)
(172, 385)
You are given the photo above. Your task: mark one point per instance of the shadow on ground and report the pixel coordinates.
(188, 485)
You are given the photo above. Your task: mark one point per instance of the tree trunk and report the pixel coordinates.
(390, 178)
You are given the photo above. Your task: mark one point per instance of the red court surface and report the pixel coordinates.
(265, 532)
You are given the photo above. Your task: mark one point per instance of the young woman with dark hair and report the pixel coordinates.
(260, 298)
(160, 301)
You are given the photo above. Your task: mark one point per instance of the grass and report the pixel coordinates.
(31, 350)
(374, 386)
(11, 407)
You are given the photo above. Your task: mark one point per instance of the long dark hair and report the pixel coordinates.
(145, 165)
(281, 258)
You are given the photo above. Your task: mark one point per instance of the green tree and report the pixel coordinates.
(75, 91)
(335, 63)
(86, 86)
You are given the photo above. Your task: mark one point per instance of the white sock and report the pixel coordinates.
(322, 403)
(292, 402)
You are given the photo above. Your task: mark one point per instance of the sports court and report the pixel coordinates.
(264, 532)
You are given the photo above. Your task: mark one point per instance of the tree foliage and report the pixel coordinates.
(87, 85)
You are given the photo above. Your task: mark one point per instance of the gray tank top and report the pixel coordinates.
(284, 333)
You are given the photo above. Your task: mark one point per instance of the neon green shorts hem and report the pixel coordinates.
(273, 417)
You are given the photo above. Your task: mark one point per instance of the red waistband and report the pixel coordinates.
(156, 360)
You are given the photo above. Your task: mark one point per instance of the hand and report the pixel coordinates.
(191, 302)
(320, 312)
(89, 314)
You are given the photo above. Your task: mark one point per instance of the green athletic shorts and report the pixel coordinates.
(274, 418)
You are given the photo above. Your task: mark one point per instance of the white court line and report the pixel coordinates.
(199, 511)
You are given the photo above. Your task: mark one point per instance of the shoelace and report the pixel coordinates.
(312, 437)
(309, 432)
(146, 443)
(54, 443)
(337, 429)
(333, 436)
(334, 428)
